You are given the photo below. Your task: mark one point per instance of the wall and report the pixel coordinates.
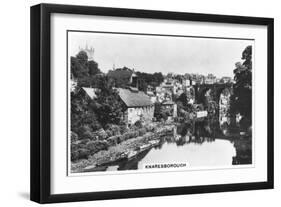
(14, 105)
(135, 114)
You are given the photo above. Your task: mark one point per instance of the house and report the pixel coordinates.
(210, 79)
(163, 94)
(186, 82)
(171, 107)
(138, 105)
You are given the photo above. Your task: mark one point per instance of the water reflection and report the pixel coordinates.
(200, 144)
(209, 130)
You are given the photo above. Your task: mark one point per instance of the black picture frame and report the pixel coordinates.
(41, 97)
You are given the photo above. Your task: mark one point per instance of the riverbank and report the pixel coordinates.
(121, 150)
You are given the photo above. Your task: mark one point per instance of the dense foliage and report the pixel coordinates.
(241, 100)
(122, 78)
(91, 115)
(108, 105)
(84, 121)
(159, 112)
(84, 71)
(184, 108)
(146, 79)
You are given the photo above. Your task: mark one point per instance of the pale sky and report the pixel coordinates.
(164, 54)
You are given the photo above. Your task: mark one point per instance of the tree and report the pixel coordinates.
(78, 68)
(241, 100)
(159, 112)
(142, 85)
(83, 70)
(93, 68)
(149, 79)
(89, 115)
(183, 99)
(107, 105)
(83, 120)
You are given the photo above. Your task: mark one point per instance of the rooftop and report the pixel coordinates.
(91, 92)
(134, 98)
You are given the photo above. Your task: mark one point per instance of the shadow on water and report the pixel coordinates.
(124, 164)
(208, 130)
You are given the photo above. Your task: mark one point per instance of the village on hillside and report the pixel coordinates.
(121, 114)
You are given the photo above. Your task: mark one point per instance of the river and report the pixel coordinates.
(201, 144)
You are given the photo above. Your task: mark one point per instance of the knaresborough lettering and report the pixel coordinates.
(159, 166)
(140, 99)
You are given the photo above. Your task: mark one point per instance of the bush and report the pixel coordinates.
(80, 143)
(84, 141)
(150, 127)
(114, 140)
(126, 136)
(123, 128)
(122, 138)
(74, 136)
(79, 154)
(129, 135)
(99, 135)
(109, 133)
(113, 129)
(138, 124)
(148, 136)
(85, 132)
(102, 134)
(142, 131)
(74, 155)
(133, 134)
(74, 147)
(83, 153)
(95, 146)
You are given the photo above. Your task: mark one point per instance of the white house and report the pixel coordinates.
(138, 105)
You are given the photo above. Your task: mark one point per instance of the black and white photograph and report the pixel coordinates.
(130, 103)
(153, 102)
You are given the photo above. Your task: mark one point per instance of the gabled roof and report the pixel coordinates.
(134, 98)
(91, 92)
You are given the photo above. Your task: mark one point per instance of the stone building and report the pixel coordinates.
(138, 105)
(90, 52)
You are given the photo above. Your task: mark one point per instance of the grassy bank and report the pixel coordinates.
(116, 151)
